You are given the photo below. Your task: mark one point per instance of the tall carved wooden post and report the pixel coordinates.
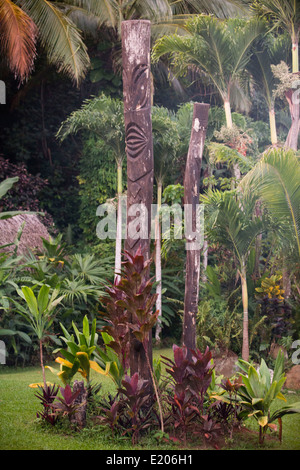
(139, 150)
(191, 207)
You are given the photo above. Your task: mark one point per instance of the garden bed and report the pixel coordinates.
(21, 430)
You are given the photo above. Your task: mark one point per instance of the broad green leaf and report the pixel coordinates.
(76, 331)
(93, 333)
(279, 366)
(265, 373)
(65, 331)
(43, 298)
(31, 301)
(64, 362)
(281, 396)
(67, 355)
(84, 362)
(255, 401)
(256, 385)
(6, 185)
(286, 410)
(73, 347)
(263, 421)
(97, 368)
(85, 328)
(82, 340)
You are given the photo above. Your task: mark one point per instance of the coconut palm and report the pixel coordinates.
(219, 50)
(104, 117)
(24, 23)
(231, 223)
(161, 13)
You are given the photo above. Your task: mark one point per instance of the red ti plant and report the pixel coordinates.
(190, 381)
(47, 395)
(117, 323)
(135, 405)
(67, 405)
(129, 307)
(130, 312)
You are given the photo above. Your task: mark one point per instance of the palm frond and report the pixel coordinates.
(276, 179)
(280, 12)
(88, 268)
(102, 116)
(213, 47)
(17, 39)
(230, 221)
(269, 52)
(60, 37)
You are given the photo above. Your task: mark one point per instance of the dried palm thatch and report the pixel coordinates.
(32, 232)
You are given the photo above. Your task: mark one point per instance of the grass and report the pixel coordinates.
(20, 430)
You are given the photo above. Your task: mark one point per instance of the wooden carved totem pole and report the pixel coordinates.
(192, 229)
(139, 150)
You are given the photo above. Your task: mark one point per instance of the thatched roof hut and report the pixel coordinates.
(32, 232)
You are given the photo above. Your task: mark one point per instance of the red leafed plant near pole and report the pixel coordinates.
(129, 306)
(190, 381)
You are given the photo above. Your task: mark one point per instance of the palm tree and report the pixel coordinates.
(286, 15)
(161, 13)
(231, 223)
(271, 51)
(24, 23)
(219, 50)
(104, 117)
(275, 178)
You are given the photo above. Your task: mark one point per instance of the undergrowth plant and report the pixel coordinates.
(191, 376)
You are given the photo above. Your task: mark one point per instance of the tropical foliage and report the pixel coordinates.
(95, 310)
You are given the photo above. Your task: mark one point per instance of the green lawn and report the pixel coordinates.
(20, 430)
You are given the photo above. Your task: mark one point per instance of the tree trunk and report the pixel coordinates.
(245, 347)
(228, 116)
(79, 417)
(292, 138)
(295, 55)
(42, 363)
(191, 202)
(229, 124)
(118, 253)
(273, 131)
(139, 150)
(158, 264)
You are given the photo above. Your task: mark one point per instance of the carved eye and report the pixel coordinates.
(136, 141)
